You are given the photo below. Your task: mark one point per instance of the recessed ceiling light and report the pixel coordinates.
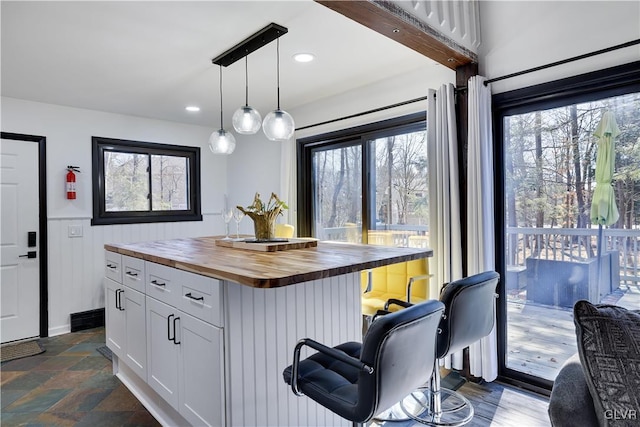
(192, 108)
(303, 57)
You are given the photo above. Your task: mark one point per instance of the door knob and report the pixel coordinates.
(30, 254)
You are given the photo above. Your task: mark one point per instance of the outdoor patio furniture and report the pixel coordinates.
(561, 283)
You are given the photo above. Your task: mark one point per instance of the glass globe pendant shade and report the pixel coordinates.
(246, 120)
(278, 125)
(222, 142)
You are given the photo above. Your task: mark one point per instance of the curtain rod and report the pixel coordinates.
(564, 61)
(375, 110)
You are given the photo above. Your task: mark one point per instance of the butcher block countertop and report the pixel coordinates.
(201, 255)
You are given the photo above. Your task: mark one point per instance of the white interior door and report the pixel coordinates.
(19, 268)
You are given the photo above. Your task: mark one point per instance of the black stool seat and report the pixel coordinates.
(357, 381)
(328, 379)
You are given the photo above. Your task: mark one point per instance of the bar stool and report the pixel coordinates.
(469, 315)
(357, 381)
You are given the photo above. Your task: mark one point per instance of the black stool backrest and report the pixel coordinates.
(401, 348)
(469, 311)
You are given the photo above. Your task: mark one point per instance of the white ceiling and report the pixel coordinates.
(153, 58)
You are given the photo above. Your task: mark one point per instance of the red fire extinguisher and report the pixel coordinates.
(71, 181)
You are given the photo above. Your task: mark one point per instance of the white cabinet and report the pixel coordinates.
(125, 316)
(165, 325)
(186, 363)
(201, 369)
(115, 333)
(133, 304)
(162, 350)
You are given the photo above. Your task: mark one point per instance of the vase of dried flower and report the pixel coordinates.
(264, 226)
(264, 216)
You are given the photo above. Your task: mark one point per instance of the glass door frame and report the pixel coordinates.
(605, 83)
(360, 135)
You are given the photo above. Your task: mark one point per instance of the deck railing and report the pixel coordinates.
(574, 244)
(562, 244)
(396, 235)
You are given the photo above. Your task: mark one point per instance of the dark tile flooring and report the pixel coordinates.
(70, 384)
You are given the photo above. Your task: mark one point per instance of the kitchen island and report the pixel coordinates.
(201, 333)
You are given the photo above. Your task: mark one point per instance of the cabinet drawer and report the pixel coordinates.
(160, 283)
(133, 273)
(200, 297)
(113, 266)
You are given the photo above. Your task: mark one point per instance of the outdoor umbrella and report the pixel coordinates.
(603, 206)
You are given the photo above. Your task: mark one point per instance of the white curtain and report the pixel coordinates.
(444, 194)
(483, 355)
(288, 183)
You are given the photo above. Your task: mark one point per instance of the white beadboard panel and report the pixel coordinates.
(262, 329)
(458, 20)
(75, 264)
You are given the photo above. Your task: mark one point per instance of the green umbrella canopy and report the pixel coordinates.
(603, 206)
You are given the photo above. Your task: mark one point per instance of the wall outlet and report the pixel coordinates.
(75, 231)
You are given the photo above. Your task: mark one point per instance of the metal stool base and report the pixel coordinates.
(456, 409)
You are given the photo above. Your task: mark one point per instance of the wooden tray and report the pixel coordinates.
(269, 246)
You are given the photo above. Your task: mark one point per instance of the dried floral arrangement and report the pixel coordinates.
(264, 215)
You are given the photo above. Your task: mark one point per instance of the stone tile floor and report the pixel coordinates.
(70, 384)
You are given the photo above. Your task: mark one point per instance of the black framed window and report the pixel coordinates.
(366, 184)
(141, 182)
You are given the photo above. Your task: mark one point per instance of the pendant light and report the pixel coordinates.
(221, 141)
(278, 125)
(246, 120)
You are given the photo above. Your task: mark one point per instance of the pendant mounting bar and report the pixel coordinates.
(250, 44)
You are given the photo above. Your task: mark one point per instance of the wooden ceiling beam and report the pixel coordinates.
(393, 22)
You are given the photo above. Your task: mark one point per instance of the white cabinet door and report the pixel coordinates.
(114, 317)
(163, 350)
(202, 395)
(135, 323)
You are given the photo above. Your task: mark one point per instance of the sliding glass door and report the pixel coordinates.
(550, 246)
(367, 184)
(337, 192)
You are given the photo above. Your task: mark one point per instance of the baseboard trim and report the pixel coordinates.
(59, 330)
(87, 319)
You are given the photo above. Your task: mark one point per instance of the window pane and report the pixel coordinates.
(126, 181)
(551, 245)
(169, 183)
(337, 180)
(400, 205)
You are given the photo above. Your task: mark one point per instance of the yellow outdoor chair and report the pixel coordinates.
(406, 281)
(284, 230)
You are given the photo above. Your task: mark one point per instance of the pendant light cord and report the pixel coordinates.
(246, 80)
(278, 67)
(220, 96)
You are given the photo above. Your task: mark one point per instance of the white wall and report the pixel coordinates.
(406, 86)
(76, 264)
(517, 35)
(253, 167)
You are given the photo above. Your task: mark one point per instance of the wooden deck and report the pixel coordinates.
(541, 338)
